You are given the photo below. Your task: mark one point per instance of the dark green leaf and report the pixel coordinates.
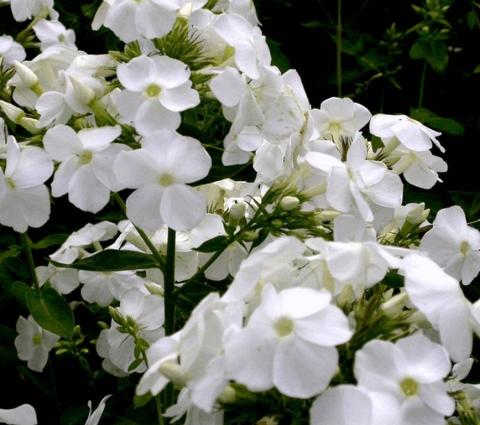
(51, 311)
(393, 280)
(55, 239)
(74, 415)
(418, 50)
(141, 400)
(215, 244)
(446, 125)
(112, 260)
(437, 55)
(313, 24)
(12, 251)
(17, 267)
(471, 19)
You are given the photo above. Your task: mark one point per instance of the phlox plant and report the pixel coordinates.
(240, 257)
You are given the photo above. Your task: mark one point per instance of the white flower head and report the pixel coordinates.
(33, 343)
(10, 51)
(158, 89)
(161, 171)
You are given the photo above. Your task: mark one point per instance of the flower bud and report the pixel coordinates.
(29, 124)
(28, 77)
(11, 111)
(237, 210)
(155, 289)
(228, 395)
(289, 203)
(82, 92)
(418, 214)
(394, 306)
(173, 372)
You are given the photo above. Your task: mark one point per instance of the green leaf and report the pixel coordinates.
(437, 55)
(477, 70)
(12, 251)
(446, 125)
(55, 239)
(112, 260)
(312, 24)
(141, 400)
(51, 311)
(471, 19)
(279, 58)
(215, 244)
(393, 280)
(418, 50)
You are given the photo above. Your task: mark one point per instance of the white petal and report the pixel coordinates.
(135, 168)
(99, 138)
(435, 396)
(179, 98)
(62, 177)
(338, 189)
(182, 207)
(301, 369)
(415, 412)
(152, 116)
(228, 87)
(86, 192)
(52, 109)
(138, 73)
(143, 207)
(170, 72)
(119, 19)
(342, 405)
(152, 20)
(21, 415)
(61, 142)
(127, 103)
(300, 303)
(34, 167)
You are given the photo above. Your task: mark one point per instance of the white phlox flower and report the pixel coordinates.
(161, 171)
(358, 180)
(10, 51)
(146, 311)
(288, 343)
(27, 9)
(453, 244)
(251, 50)
(51, 33)
(158, 88)
(412, 372)
(94, 417)
(194, 356)
(131, 20)
(340, 118)
(439, 297)
(33, 343)
(85, 170)
(21, 415)
(75, 244)
(24, 199)
(410, 133)
(62, 280)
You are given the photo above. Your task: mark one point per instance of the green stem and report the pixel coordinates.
(142, 234)
(202, 269)
(339, 48)
(169, 283)
(26, 244)
(158, 404)
(421, 90)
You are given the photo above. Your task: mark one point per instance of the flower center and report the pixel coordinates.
(166, 179)
(283, 326)
(464, 247)
(37, 339)
(409, 387)
(153, 90)
(85, 157)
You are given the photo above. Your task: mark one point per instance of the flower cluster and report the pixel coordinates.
(276, 289)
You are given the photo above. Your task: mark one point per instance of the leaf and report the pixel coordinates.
(418, 50)
(446, 125)
(437, 55)
(141, 400)
(12, 251)
(477, 70)
(112, 260)
(51, 311)
(471, 19)
(215, 244)
(393, 280)
(55, 239)
(312, 24)
(279, 58)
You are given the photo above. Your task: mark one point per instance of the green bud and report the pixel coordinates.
(228, 395)
(13, 113)
(289, 203)
(249, 235)
(155, 289)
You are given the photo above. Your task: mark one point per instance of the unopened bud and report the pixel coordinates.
(237, 210)
(394, 306)
(228, 395)
(328, 215)
(173, 372)
(116, 316)
(289, 203)
(418, 214)
(29, 124)
(28, 77)
(249, 235)
(11, 111)
(155, 289)
(82, 92)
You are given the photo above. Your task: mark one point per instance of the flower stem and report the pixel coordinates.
(26, 245)
(169, 283)
(158, 404)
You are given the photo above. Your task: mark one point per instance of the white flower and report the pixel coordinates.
(160, 171)
(26, 9)
(357, 180)
(33, 343)
(439, 297)
(21, 415)
(131, 20)
(340, 118)
(454, 245)
(412, 371)
(251, 50)
(62, 280)
(10, 51)
(158, 89)
(86, 157)
(51, 33)
(24, 199)
(409, 132)
(289, 342)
